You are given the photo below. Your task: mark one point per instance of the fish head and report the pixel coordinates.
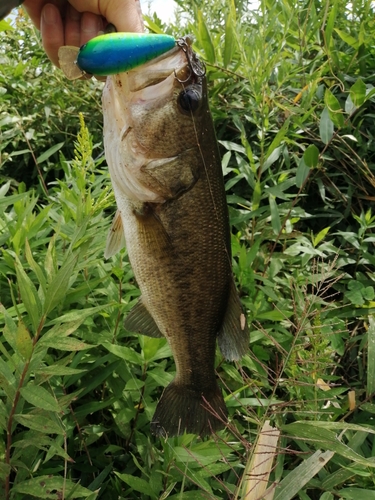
(153, 114)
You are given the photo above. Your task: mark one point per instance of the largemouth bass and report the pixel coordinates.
(172, 214)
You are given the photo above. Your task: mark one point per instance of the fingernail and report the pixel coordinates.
(50, 14)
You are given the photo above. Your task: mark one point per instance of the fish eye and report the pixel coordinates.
(189, 100)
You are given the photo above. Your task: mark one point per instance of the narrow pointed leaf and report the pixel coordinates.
(358, 93)
(44, 156)
(59, 285)
(29, 295)
(24, 344)
(302, 173)
(326, 127)
(311, 156)
(297, 478)
(205, 38)
(334, 108)
(41, 423)
(275, 216)
(371, 356)
(39, 397)
(230, 40)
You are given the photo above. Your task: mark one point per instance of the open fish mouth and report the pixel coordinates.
(141, 109)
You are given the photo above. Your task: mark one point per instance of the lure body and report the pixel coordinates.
(118, 52)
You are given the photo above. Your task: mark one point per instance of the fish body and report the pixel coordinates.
(113, 53)
(166, 173)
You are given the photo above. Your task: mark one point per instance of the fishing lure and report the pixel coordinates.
(113, 53)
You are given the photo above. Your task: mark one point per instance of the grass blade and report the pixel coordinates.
(371, 356)
(294, 482)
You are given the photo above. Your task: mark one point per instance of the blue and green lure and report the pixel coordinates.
(113, 53)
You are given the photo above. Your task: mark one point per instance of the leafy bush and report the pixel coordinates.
(291, 96)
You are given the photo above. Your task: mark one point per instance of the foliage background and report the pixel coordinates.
(292, 96)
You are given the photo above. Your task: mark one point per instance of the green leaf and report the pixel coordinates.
(271, 158)
(330, 23)
(356, 494)
(334, 108)
(29, 295)
(41, 423)
(35, 267)
(301, 475)
(311, 156)
(358, 93)
(10, 328)
(320, 236)
(350, 40)
(136, 483)
(24, 344)
(58, 370)
(5, 26)
(51, 487)
(229, 40)
(371, 356)
(326, 127)
(39, 397)
(44, 156)
(275, 216)
(302, 173)
(66, 344)
(257, 194)
(78, 315)
(124, 353)
(205, 39)
(59, 285)
(324, 438)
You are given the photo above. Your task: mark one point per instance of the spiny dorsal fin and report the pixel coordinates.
(233, 336)
(139, 320)
(115, 238)
(67, 60)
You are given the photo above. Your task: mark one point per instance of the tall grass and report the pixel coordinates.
(292, 98)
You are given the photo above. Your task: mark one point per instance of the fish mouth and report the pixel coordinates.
(157, 77)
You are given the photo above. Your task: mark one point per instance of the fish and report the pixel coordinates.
(172, 215)
(112, 53)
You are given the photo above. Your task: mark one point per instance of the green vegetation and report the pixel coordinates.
(293, 104)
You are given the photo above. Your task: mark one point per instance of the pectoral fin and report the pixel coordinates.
(115, 238)
(172, 176)
(233, 336)
(139, 320)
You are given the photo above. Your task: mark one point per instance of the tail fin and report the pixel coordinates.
(182, 409)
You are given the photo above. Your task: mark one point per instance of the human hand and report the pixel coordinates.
(75, 22)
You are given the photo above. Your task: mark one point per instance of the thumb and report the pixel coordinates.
(126, 15)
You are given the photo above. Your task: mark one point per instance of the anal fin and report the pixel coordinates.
(233, 337)
(139, 320)
(115, 238)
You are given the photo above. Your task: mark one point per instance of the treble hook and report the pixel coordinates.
(196, 66)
